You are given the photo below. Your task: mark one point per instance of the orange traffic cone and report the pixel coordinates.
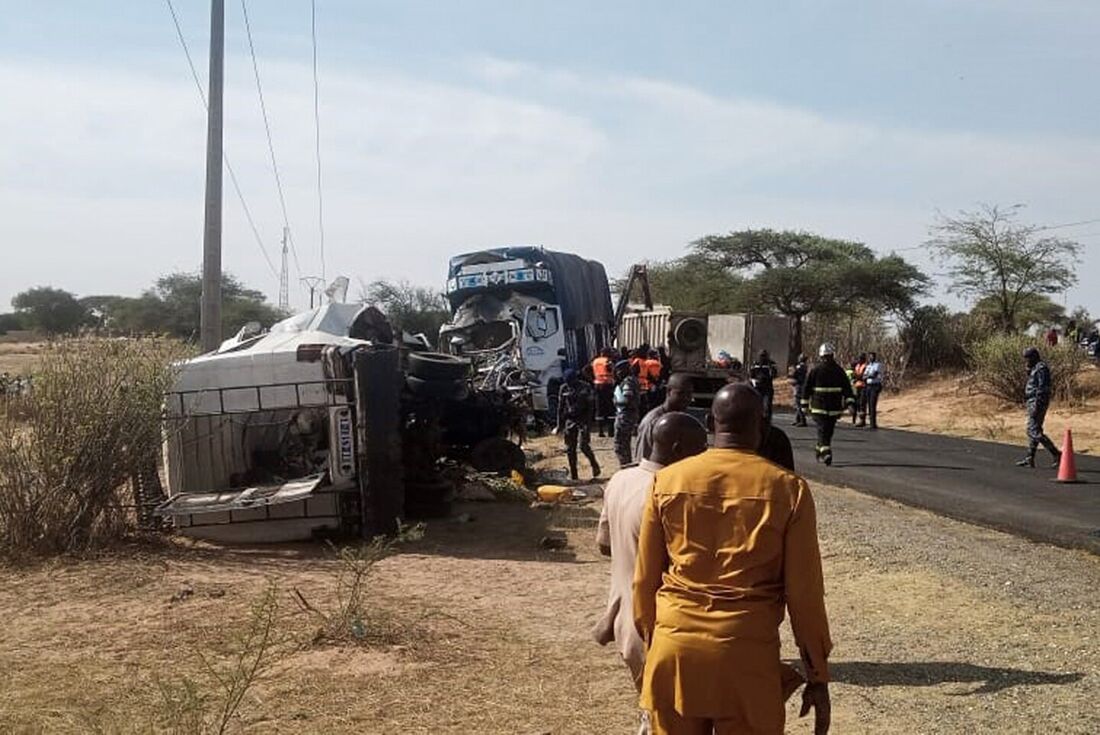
(1067, 468)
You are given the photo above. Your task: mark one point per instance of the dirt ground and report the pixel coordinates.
(940, 627)
(18, 358)
(944, 405)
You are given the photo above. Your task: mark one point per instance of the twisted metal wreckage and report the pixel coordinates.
(328, 425)
(321, 426)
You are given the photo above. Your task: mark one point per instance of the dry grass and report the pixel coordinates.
(940, 627)
(948, 405)
(19, 358)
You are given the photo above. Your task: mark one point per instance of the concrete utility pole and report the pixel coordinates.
(211, 319)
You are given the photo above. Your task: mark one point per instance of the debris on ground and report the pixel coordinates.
(554, 541)
(554, 493)
(185, 591)
(503, 488)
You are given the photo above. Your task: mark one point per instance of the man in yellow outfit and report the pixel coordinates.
(728, 538)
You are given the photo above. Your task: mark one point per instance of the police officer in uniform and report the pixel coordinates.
(827, 393)
(575, 410)
(798, 383)
(1037, 392)
(628, 405)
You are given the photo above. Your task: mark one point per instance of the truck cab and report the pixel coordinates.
(517, 311)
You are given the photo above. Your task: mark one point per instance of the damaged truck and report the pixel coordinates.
(327, 425)
(517, 311)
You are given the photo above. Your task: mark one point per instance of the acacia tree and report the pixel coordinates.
(692, 283)
(50, 310)
(992, 256)
(799, 273)
(1032, 310)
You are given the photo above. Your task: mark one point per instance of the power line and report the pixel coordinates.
(267, 129)
(1068, 224)
(225, 156)
(317, 129)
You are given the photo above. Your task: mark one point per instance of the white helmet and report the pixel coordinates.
(826, 349)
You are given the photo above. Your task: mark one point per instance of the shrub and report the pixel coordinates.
(347, 617)
(209, 704)
(90, 424)
(936, 339)
(999, 368)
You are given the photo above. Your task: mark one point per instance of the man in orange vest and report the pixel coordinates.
(859, 384)
(603, 370)
(651, 369)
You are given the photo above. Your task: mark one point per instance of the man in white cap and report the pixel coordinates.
(826, 395)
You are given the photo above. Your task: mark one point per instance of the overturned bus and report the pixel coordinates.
(290, 434)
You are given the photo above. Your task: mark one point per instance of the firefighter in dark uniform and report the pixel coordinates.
(1037, 392)
(575, 409)
(826, 395)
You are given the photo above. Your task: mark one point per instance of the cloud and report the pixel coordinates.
(101, 176)
(92, 151)
(684, 131)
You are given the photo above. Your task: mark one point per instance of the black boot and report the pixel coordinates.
(573, 468)
(1049, 446)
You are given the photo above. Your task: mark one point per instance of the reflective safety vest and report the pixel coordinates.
(637, 364)
(651, 369)
(858, 381)
(603, 371)
(828, 390)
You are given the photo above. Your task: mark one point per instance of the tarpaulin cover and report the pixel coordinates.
(580, 286)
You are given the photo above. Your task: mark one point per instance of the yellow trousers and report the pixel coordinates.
(673, 723)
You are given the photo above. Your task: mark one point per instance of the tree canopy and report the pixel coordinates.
(12, 322)
(991, 255)
(411, 308)
(172, 307)
(800, 273)
(692, 283)
(50, 310)
(1032, 310)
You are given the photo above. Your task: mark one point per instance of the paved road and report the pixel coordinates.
(969, 480)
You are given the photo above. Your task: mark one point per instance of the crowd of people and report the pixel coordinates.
(1086, 337)
(623, 392)
(613, 393)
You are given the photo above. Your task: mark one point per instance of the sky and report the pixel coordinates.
(621, 131)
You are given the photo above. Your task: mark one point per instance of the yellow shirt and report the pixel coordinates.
(727, 539)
